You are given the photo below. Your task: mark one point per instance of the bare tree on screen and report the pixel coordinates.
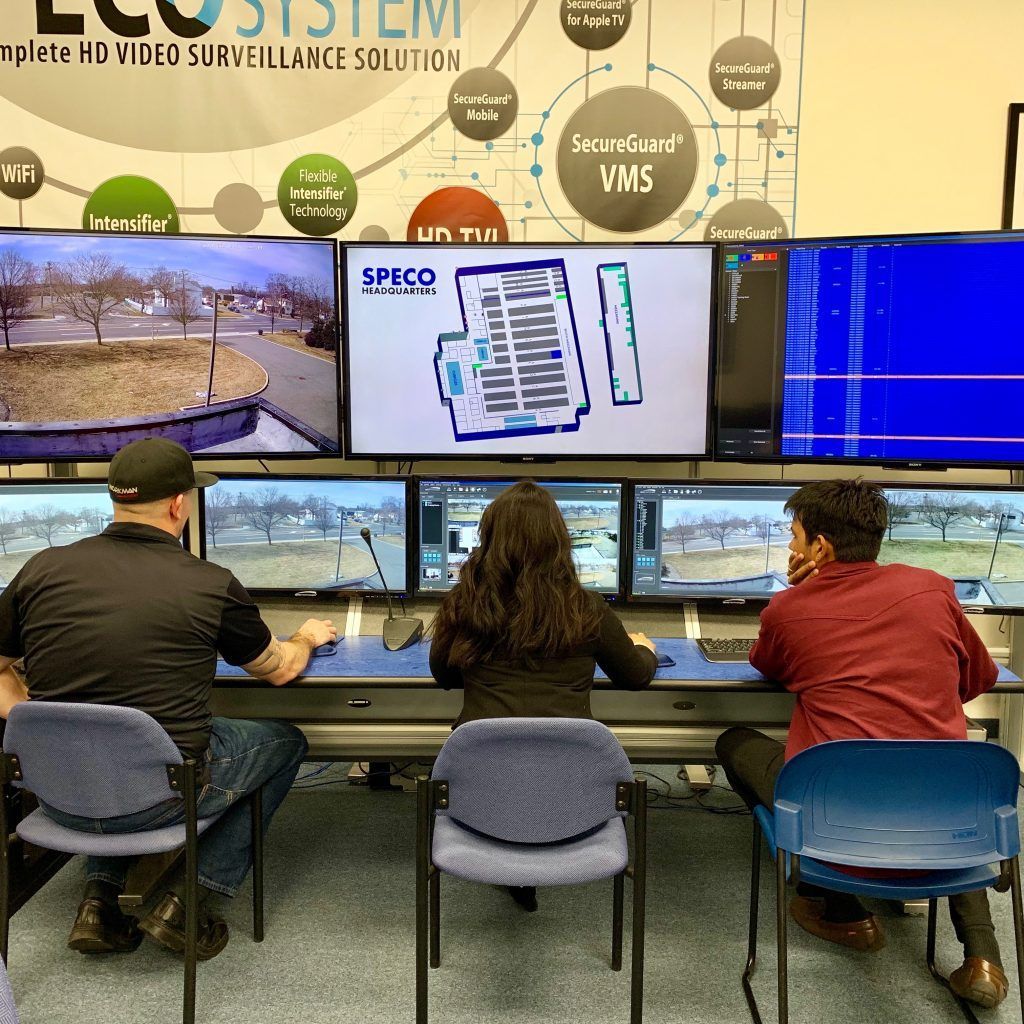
(266, 508)
(943, 511)
(218, 506)
(322, 512)
(184, 302)
(45, 521)
(720, 525)
(17, 282)
(9, 527)
(898, 506)
(88, 287)
(686, 527)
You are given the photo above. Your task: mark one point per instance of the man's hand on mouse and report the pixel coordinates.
(799, 570)
(319, 631)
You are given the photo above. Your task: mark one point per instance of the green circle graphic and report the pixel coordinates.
(317, 194)
(131, 203)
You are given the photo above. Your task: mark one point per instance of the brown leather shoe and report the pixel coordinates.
(865, 935)
(979, 982)
(166, 923)
(102, 928)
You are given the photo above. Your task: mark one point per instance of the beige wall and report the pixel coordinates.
(903, 115)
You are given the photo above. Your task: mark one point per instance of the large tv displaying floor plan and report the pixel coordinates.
(526, 351)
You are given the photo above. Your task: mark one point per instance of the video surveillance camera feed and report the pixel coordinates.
(450, 512)
(304, 533)
(571, 350)
(225, 345)
(34, 517)
(694, 540)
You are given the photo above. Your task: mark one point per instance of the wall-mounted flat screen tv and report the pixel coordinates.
(225, 345)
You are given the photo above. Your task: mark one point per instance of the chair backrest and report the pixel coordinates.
(918, 804)
(532, 780)
(94, 760)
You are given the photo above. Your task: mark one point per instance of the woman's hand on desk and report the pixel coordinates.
(641, 640)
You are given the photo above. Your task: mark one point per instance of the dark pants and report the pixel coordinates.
(752, 762)
(242, 756)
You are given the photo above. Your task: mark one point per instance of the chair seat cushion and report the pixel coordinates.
(924, 886)
(41, 830)
(477, 858)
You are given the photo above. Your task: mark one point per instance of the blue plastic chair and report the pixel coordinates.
(100, 761)
(944, 807)
(528, 802)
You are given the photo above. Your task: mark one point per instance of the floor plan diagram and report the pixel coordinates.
(515, 369)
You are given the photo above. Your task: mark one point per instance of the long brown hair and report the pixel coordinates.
(518, 597)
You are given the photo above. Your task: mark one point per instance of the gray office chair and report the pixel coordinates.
(99, 761)
(526, 802)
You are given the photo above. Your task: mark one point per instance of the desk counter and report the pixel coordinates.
(365, 702)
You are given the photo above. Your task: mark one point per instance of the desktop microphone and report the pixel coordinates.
(398, 632)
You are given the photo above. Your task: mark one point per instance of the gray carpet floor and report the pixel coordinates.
(339, 945)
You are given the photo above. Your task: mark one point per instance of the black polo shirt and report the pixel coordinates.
(129, 617)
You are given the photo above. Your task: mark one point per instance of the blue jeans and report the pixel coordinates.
(242, 756)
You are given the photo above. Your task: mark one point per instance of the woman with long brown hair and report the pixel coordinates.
(520, 634)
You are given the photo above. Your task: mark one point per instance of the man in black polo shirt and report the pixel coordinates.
(130, 618)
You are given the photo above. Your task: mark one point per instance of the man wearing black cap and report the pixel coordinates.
(130, 618)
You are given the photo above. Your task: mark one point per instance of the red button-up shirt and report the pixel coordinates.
(872, 652)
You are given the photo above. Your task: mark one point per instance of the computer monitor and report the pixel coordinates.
(728, 542)
(40, 514)
(449, 521)
(108, 338)
(527, 351)
(894, 350)
(302, 534)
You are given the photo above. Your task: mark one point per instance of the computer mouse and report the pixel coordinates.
(327, 649)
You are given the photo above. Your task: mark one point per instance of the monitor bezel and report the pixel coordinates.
(313, 593)
(757, 602)
(535, 458)
(789, 460)
(623, 483)
(68, 459)
(57, 482)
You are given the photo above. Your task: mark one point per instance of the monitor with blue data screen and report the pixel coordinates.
(449, 521)
(728, 542)
(893, 350)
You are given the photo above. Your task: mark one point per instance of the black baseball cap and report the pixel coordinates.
(151, 469)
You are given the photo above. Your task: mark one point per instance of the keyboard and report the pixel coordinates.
(726, 649)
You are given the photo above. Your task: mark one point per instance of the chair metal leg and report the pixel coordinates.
(617, 895)
(780, 925)
(256, 812)
(933, 969)
(435, 918)
(5, 875)
(423, 812)
(191, 893)
(1018, 927)
(636, 990)
(755, 894)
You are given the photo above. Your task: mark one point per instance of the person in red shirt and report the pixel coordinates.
(871, 652)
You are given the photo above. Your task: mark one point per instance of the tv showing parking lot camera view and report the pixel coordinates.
(694, 539)
(40, 514)
(225, 345)
(291, 534)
